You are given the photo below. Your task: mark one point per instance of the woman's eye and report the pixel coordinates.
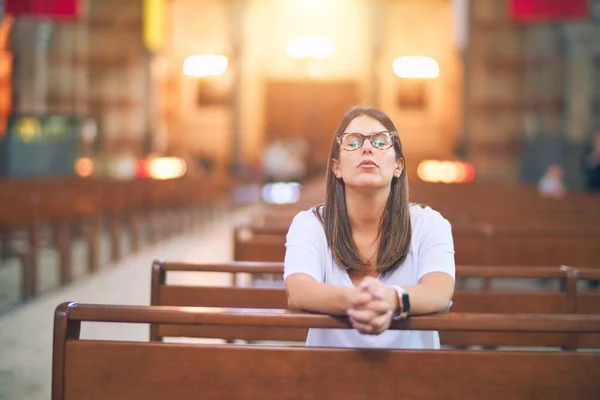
(378, 143)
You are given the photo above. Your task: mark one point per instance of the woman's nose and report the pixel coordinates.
(367, 146)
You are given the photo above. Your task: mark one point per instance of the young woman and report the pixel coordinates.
(366, 252)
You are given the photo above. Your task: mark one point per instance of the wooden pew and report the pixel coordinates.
(31, 220)
(272, 298)
(278, 215)
(110, 369)
(588, 302)
(16, 217)
(53, 212)
(569, 300)
(480, 244)
(522, 201)
(522, 229)
(472, 202)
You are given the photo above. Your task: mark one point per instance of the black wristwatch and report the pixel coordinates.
(404, 301)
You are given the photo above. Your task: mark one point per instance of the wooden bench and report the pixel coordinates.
(569, 300)
(476, 203)
(473, 202)
(54, 212)
(479, 244)
(111, 369)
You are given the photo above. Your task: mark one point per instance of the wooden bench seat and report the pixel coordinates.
(111, 369)
(570, 300)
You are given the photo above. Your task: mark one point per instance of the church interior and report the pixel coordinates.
(157, 158)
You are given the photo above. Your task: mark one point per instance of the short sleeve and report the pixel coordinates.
(435, 245)
(304, 247)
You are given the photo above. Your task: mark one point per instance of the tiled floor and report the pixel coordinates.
(26, 332)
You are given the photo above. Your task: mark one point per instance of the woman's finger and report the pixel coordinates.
(363, 316)
(360, 298)
(381, 322)
(365, 329)
(378, 306)
(373, 286)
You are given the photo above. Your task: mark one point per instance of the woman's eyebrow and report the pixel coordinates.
(370, 133)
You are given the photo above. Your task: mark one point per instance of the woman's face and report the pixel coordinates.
(367, 165)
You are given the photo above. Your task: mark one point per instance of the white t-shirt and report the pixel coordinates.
(431, 249)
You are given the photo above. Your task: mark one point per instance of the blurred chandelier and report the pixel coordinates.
(202, 65)
(416, 67)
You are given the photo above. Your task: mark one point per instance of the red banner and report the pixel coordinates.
(548, 10)
(55, 9)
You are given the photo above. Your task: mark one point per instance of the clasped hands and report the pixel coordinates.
(372, 306)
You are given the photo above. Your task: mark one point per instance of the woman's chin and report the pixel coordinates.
(372, 182)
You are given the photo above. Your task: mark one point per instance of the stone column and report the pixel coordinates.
(235, 62)
(31, 39)
(377, 8)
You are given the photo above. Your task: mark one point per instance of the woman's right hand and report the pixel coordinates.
(369, 312)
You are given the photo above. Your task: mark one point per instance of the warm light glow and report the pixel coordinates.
(303, 47)
(84, 167)
(205, 65)
(166, 168)
(445, 171)
(141, 169)
(416, 67)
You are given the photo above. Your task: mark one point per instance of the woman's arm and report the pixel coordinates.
(431, 294)
(436, 267)
(304, 293)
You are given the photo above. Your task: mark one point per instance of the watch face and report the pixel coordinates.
(405, 302)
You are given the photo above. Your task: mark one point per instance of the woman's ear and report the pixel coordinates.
(399, 168)
(335, 168)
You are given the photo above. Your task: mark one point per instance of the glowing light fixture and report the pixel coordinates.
(84, 167)
(166, 168)
(201, 65)
(445, 171)
(416, 67)
(304, 47)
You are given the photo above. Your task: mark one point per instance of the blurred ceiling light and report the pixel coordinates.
(446, 171)
(166, 168)
(201, 65)
(416, 67)
(304, 47)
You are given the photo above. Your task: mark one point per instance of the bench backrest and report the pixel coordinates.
(486, 300)
(98, 370)
(477, 244)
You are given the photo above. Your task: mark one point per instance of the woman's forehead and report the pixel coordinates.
(364, 124)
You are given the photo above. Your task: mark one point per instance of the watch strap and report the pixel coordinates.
(403, 302)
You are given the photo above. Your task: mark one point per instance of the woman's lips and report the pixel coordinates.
(367, 164)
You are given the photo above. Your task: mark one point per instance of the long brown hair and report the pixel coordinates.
(394, 227)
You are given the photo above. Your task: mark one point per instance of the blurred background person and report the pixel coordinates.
(551, 184)
(591, 164)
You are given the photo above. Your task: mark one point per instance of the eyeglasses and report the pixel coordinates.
(380, 140)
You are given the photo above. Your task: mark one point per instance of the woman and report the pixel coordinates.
(366, 253)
